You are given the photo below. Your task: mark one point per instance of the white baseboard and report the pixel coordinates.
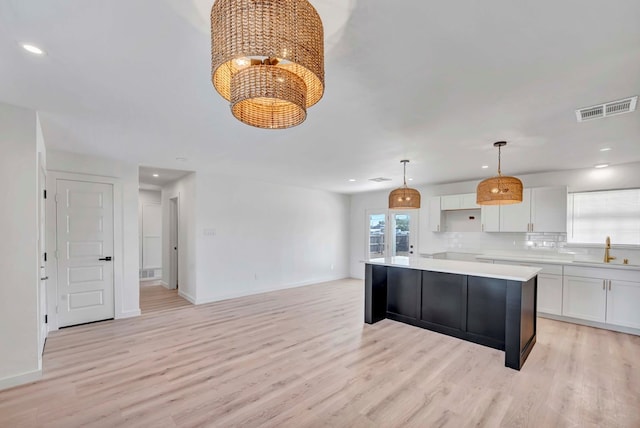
(618, 328)
(21, 379)
(128, 314)
(227, 296)
(187, 297)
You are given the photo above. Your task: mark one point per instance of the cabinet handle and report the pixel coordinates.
(532, 227)
(604, 284)
(609, 285)
(482, 227)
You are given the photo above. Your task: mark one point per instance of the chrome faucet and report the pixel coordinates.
(607, 247)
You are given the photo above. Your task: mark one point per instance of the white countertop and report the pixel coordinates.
(486, 270)
(557, 261)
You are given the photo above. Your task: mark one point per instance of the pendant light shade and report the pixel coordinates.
(501, 189)
(404, 197)
(267, 59)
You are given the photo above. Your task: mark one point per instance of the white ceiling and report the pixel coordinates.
(433, 82)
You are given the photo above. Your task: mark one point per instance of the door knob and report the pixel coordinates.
(106, 259)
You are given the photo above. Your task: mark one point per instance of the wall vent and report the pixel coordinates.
(612, 108)
(379, 179)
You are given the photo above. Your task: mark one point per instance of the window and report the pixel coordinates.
(592, 216)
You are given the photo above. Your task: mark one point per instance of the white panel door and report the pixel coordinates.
(490, 217)
(622, 303)
(584, 298)
(84, 228)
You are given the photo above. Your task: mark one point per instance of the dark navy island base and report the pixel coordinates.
(498, 313)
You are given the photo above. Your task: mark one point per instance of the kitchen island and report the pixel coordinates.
(492, 305)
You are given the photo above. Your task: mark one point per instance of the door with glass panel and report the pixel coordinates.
(403, 233)
(391, 233)
(376, 245)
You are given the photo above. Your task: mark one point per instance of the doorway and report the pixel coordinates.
(85, 249)
(42, 246)
(391, 233)
(174, 214)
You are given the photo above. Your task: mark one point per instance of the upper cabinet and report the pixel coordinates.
(543, 209)
(435, 215)
(465, 201)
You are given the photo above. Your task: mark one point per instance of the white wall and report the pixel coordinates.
(185, 190)
(19, 264)
(253, 236)
(126, 175)
(614, 177)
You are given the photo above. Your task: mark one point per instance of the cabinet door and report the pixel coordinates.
(435, 215)
(403, 291)
(443, 299)
(549, 209)
(550, 294)
(584, 298)
(468, 201)
(490, 217)
(622, 303)
(450, 202)
(516, 217)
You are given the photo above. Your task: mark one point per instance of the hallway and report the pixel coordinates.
(154, 298)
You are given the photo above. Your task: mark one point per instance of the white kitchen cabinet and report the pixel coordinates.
(550, 294)
(623, 298)
(490, 218)
(549, 209)
(466, 201)
(517, 217)
(605, 295)
(543, 209)
(435, 215)
(584, 298)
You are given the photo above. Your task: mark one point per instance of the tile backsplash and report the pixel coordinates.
(534, 243)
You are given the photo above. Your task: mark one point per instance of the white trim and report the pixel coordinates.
(128, 314)
(187, 297)
(227, 296)
(605, 326)
(21, 379)
(118, 244)
(165, 285)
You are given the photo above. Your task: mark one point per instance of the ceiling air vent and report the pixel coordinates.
(379, 179)
(612, 108)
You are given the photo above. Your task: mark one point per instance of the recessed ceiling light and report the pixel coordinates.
(33, 49)
(601, 165)
(352, 179)
(156, 175)
(605, 149)
(410, 179)
(181, 159)
(485, 166)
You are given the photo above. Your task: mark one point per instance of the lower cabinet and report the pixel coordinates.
(403, 292)
(602, 295)
(550, 294)
(584, 298)
(623, 298)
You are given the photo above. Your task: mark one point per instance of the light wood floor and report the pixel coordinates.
(304, 358)
(155, 297)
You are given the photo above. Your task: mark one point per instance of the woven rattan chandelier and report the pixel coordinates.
(501, 189)
(404, 197)
(267, 59)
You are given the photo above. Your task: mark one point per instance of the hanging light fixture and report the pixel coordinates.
(267, 59)
(501, 189)
(404, 197)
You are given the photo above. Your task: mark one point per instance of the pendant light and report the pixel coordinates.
(404, 197)
(501, 189)
(267, 59)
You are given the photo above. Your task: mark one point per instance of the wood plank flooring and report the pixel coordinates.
(155, 297)
(304, 358)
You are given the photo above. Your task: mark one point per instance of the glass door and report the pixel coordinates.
(391, 233)
(404, 231)
(376, 234)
